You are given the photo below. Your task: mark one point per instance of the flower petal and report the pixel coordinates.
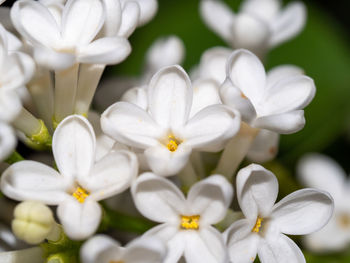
(170, 97)
(35, 23)
(131, 125)
(81, 21)
(145, 250)
(10, 105)
(218, 17)
(29, 180)
(111, 175)
(205, 93)
(332, 237)
(264, 9)
(252, 33)
(173, 239)
(303, 212)
(233, 97)
(213, 64)
(8, 140)
(79, 220)
(242, 244)
(206, 243)
(257, 190)
(282, 72)
(210, 198)
(288, 23)
(285, 123)
(321, 172)
(113, 11)
(248, 74)
(211, 128)
(165, 51)
(293, 93)
(137, 96)
(157, 198)
(164, 162)
(264, 147)
(106, 51)
(52, 59)
(148, 9)
(73, 147)
(92, 249)
(281, 249)
(130, 18)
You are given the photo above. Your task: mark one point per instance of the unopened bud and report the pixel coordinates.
(33, 222)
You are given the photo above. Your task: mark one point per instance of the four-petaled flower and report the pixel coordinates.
(166, 132)
(186, 222)
(263, 230)
(80, 182)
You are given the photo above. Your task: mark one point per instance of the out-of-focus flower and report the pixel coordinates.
(148, 9)
(274, 102)
(263, 230)
(103, 249)
(61, 46)
(320, 171)
(165, 51)
(259, 26)
(165, 131)
(80, 182)
(186, 223)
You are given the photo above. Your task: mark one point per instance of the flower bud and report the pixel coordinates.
(33, 222)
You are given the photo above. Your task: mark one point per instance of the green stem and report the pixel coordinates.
(14, 158)
(123, 222)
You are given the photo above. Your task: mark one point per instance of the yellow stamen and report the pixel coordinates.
(80, 194)
(173, 143)
(190, 222)
(243, 96)
(257, 226)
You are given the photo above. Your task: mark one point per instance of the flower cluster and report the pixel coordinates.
(140, 164)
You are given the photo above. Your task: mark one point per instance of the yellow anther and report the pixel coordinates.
(243, 96)
(173, 143)
(80, 194)
(190, 222)
(257, 226)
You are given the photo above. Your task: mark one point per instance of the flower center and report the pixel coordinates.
(172, 143)
(244, 96)
(80, 194)
(190, 222)
(258, 224)
(344, 221)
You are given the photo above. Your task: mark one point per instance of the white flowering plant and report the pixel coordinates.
(158, 131)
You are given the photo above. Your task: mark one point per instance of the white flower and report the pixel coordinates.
(264, 147)
(274, 102)
(186, 222)
(59, 46)
(148, 9)
(1, 1)
(320, 171)
(103, 249)
(260, 25)
(80, 182)
(8, 140)
(263, 230)
(165, 131)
